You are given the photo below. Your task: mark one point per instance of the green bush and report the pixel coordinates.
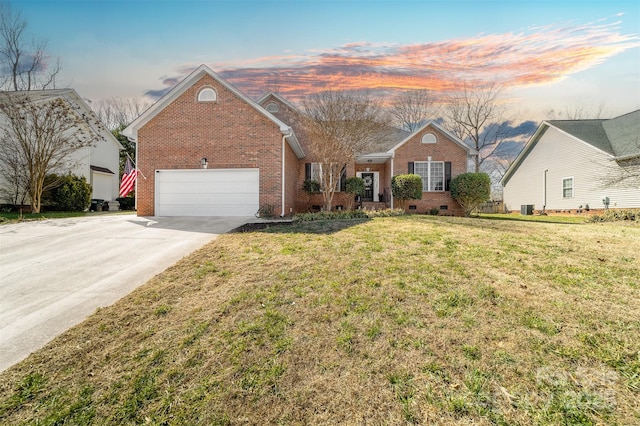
(266, 211)
(69, 193)
(334, 215)
(126, 203)
(311, 186)
(354, 185)
(347, 214)
(406, 187)
(470, 190)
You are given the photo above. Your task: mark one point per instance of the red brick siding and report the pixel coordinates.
(444, 150)
(229, 132)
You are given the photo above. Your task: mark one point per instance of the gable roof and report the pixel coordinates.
(618, 137)
(279, 99)
(131, 131)
(78, 105)
(435, 125)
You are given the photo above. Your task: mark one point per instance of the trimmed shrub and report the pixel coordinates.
(69, 193)
(354, 186)
(311, 186)
(470, 190)
(126, 203)
(406, 187)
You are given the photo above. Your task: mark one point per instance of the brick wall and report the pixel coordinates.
(443, 150)
(229, 132)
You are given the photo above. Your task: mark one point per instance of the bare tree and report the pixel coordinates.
(470, 112)
(15, 189)
(580, 111)
(340, 125)
(24, 65)
(413, 108)
(44, 134)
(118, 113)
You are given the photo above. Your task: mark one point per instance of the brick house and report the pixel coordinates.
(209, 150)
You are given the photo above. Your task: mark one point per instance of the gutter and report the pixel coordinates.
(284, 137)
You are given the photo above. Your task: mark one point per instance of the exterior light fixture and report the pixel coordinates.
(204, 162)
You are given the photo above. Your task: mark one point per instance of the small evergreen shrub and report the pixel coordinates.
(266, 211)
(406, 187)
(70, 193)
(126, 203)
(311, 186)
(470, 190)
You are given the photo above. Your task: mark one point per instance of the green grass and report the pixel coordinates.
(398, 320)
(534, 218)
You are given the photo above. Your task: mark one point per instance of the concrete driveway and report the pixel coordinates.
(55, 273)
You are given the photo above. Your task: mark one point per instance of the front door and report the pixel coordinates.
(368, 186)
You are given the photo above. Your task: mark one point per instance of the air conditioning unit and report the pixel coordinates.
(526, 209)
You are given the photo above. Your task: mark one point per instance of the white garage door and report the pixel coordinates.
(102, 186)
(207, 192)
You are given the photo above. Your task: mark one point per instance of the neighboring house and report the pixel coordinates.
(569, 165)
(98, 163)
(207, 149)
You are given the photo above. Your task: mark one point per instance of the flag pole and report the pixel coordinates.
(136, 166)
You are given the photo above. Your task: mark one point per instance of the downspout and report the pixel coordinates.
(135, 200)
(284, 137)
(392, 158)
(544, 207)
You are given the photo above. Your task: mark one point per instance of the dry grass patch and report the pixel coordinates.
(409, 320)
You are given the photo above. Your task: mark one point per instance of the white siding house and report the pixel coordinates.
(98, 163)
(571, 164)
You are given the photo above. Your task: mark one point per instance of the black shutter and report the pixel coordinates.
(447, 175)
(343, 179)
(307, 171)
(410, 168)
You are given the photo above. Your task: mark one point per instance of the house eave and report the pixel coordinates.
(374, 158)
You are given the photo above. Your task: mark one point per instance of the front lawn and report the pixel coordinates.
(399, 320)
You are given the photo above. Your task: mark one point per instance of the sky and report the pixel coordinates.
(549, 55)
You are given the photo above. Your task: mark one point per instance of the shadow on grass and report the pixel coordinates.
(562, 220)
(329, 226)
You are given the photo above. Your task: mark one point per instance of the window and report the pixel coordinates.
(313, 171)
(429, 138)
(207, 95)
(567, 187)
(272, 107)
(432, 174)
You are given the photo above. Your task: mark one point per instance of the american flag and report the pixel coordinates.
(128, 179)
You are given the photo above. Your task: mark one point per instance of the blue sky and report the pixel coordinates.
(549, 54)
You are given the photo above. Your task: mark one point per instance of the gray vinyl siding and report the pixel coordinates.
(565, 157)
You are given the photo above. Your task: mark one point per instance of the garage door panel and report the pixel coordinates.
(211, 192)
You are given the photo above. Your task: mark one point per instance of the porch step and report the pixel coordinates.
(369, 205)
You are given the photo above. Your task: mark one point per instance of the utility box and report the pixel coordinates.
(526, 209)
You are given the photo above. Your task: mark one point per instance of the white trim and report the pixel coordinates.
(429, 138)
(573, 187)
(279, 99)
(428, 182)
(376, 184)
(435, 125)
(207, 94)
(274, 107)
(131, 131)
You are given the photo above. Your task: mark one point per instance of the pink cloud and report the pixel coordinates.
(541, 55)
